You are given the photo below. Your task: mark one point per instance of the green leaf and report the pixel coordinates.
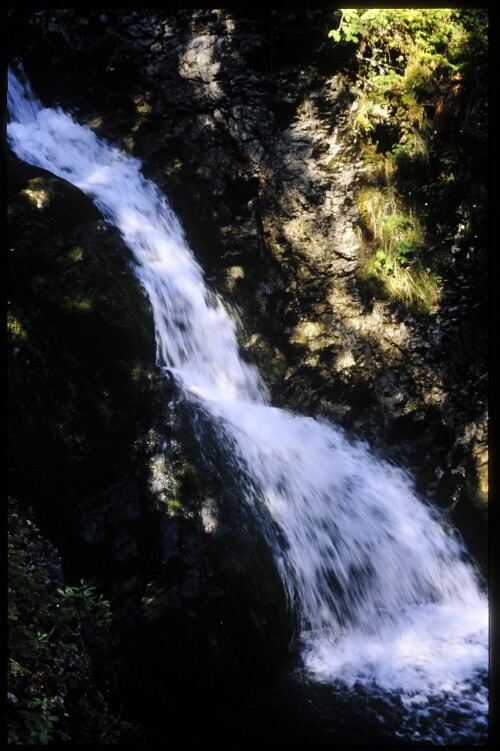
(334, 34)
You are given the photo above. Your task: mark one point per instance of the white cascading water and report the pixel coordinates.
(387, 599)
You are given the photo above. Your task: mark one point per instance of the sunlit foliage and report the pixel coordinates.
(420, 119)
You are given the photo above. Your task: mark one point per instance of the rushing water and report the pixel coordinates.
(388, 601)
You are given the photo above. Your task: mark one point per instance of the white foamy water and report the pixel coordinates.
(387, 598)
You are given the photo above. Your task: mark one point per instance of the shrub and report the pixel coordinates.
(58, 647)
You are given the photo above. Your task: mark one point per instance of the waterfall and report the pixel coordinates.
(387, 598)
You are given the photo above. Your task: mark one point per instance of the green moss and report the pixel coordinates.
(82, 305)
(39, 192)
(270, 361)
(75, 254)
(173, 505)
(15, 328)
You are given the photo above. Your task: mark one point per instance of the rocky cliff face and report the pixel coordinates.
(244, 120)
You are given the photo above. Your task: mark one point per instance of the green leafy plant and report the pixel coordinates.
(57, 632)
(42, 637)
(36, 726)
(83, 601)
(350, 27)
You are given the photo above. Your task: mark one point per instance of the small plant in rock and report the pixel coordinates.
(397, 240)
(82, 601)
